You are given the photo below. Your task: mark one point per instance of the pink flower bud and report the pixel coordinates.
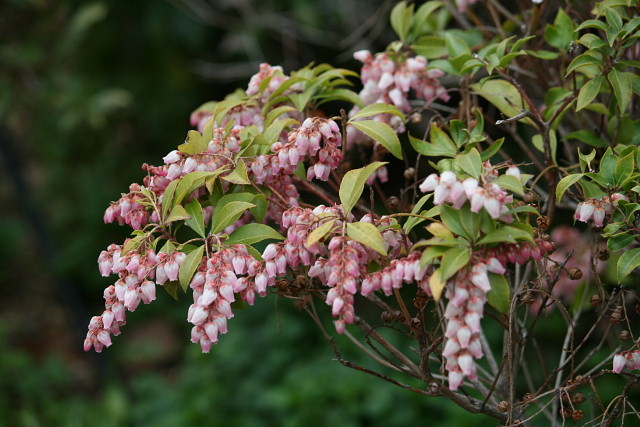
(171, 268)
(104, 337)
(148, 291)
(198, 315)
(172, 157)
(598, 216)
(430, 183)
(211, 328)
(467, 366)
(455, 380)
(584, 211)
(492, 205)
(619, 363)
(440, 194)
(464, 336)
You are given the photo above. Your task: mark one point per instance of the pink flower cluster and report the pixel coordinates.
(341, 271)
(598, 209)
(214, 288)
(390, 80)
(520, 253)
(317, 139)
(128, 210)
(250, 113)
(400, 271)
(136, 273)
(466, 293)
(627, 359)
(447, 188)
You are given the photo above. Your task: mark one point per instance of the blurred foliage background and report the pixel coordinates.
(89, 90)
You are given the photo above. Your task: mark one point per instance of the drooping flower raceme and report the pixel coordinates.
(598, 209)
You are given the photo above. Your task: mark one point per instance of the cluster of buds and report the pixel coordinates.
(214, 288)
(316, 139)
(627, 359)
(128, 210)
(483, 193)
(341, 271)
(400, 271)
(466, 293)
(138, 274)
(522, 252)
(598, 209)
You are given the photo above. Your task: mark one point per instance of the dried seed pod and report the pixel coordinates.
(409, 173)
(530, 197)
(504, 406)
(543, 222)
(567, 412)
(528, 397)
(624, 335)
(578, 415)
(393, 202)
(616, 315)
(386, 317)
(595, 300)
(578, 398)
(603, 254)
(575, 273)
(416, 118)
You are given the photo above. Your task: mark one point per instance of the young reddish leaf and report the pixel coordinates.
(189, 266)
(368, 235)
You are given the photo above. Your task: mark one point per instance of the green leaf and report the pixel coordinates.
(498, 236)
(511, 183)
(628, 262)
(191, 181)
(451, 219)
(375, 109)
(588, 137)
(368, 235)
(565, 183)
(167, 197)
(273, 132)
(621, 84)
(353, 182)
(503, 95)
(319, 233)
(227, 215)
(452, 261)
(561, 33)
(608, 164)
(178, 213)
(249, 234)
(620, 241)
(382, 133)
(413, 221)
(624, 169)
(583, 60)
(401, 17)
(430, 47)
(189, 266)
(492, 150)
(238, 175)
(277, 112)
(431, 150)
(196, 222)
(499, 297)
(589, 91)
(456, 45)
(470, 162)
(586, 159)
(194, 144)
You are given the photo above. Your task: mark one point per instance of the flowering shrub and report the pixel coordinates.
(481, 130)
